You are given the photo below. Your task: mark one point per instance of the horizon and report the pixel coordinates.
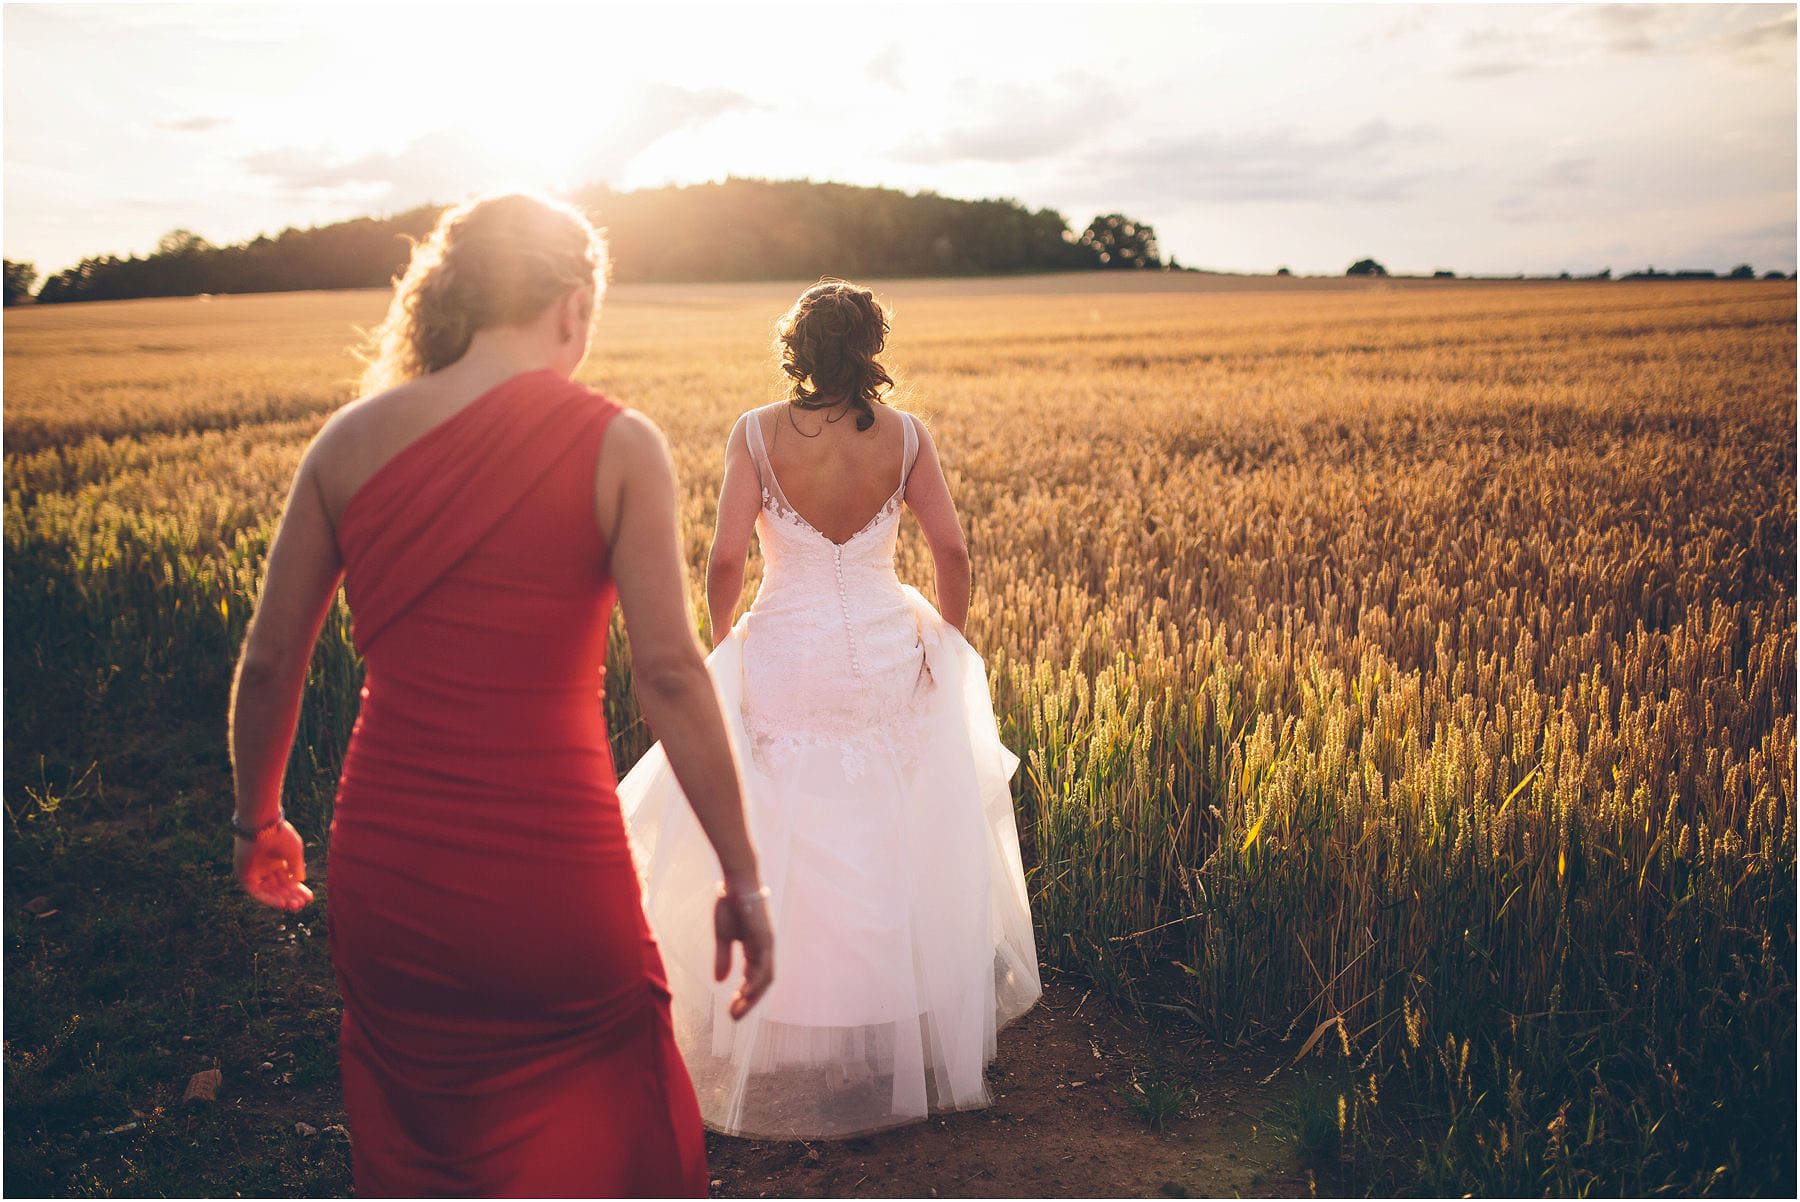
(1427, 137)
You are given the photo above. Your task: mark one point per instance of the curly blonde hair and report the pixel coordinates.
(827, 344)
(495, 260)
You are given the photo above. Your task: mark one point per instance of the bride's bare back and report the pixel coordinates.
(835, 475)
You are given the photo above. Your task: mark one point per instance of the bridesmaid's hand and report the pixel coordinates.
(272, 869)
(745, 921)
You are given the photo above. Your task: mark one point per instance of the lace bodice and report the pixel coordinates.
(837, 649)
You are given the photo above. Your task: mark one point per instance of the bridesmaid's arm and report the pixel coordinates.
(928, 495)
(635, 504)
(739, 501)
(635, 501)
(299, 581)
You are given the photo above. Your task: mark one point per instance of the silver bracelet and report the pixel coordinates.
(743, 900)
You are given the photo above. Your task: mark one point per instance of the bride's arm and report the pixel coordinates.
(740, 497)
(928, 495)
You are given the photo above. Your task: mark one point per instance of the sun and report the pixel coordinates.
(522, 98)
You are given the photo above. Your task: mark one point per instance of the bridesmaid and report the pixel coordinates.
(506, 1021)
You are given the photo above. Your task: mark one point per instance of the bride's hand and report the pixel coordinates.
(272, 868)
(744, 920)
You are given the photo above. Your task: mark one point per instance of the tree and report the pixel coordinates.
(181, 242)
(1743, 271)
(1442, 273)
(736, 229)
(1773, 275)
(1121, 242)
(1366, 267)
(19, 279)
(1283, 271)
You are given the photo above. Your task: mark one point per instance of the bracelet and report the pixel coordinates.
(244, 832)
(743, 900)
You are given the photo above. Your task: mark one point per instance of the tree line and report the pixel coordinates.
(738, 229)
(1743, 271)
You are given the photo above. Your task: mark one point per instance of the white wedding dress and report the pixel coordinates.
(878, 793)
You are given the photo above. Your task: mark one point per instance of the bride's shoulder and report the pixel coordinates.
(751, 416)
(916, 419)
(920, 427)
(742, 431)
(761, 413)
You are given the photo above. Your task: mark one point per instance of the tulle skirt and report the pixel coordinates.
(903, 932)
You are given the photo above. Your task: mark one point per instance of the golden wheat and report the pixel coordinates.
(1415, 665)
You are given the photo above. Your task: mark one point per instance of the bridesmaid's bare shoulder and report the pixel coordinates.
(633, 444)
(634, 460)
(359, 422)
(634, 434)
(355, 439)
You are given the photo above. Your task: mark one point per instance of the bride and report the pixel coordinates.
(875, 780)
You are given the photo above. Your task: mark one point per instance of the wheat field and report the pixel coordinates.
(1406, 673)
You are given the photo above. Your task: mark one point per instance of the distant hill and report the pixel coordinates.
(741, 229)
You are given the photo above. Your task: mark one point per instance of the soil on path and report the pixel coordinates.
(1059, 1125)
(141, 934)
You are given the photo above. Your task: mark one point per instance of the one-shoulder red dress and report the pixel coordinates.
(506, 1018)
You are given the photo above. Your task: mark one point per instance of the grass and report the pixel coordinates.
(150, 970)
(1156, 1100)
(1316, 1128)
(1409, 668)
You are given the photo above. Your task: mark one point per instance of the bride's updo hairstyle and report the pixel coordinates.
(828, 342)
(493, 261)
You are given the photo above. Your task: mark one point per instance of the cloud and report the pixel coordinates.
(1633, 28)
(1763, 247)
(1364, 164)
(1492, 51)
(1752, 40)
(1491, 68)
(193, 125)
(1520, 208)
(1568, 173)
(156, 204)
(659, 110)
(1565, 36)
(436, 166)
(1410, 20)
(1780, 229)
(884, 68)
(449, 163)
(1683, 28)
(1562, 190)
(1530, 39)
(1016, 123)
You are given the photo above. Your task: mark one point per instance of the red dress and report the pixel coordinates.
(506, 1018)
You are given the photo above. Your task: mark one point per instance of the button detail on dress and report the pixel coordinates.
(837, 566)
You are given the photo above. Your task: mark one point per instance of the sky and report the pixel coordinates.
(1480, 139)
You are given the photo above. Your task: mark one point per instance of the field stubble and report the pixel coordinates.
(1406, 673)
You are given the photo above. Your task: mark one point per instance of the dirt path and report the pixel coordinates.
(1059, 1125)
(171, 972)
